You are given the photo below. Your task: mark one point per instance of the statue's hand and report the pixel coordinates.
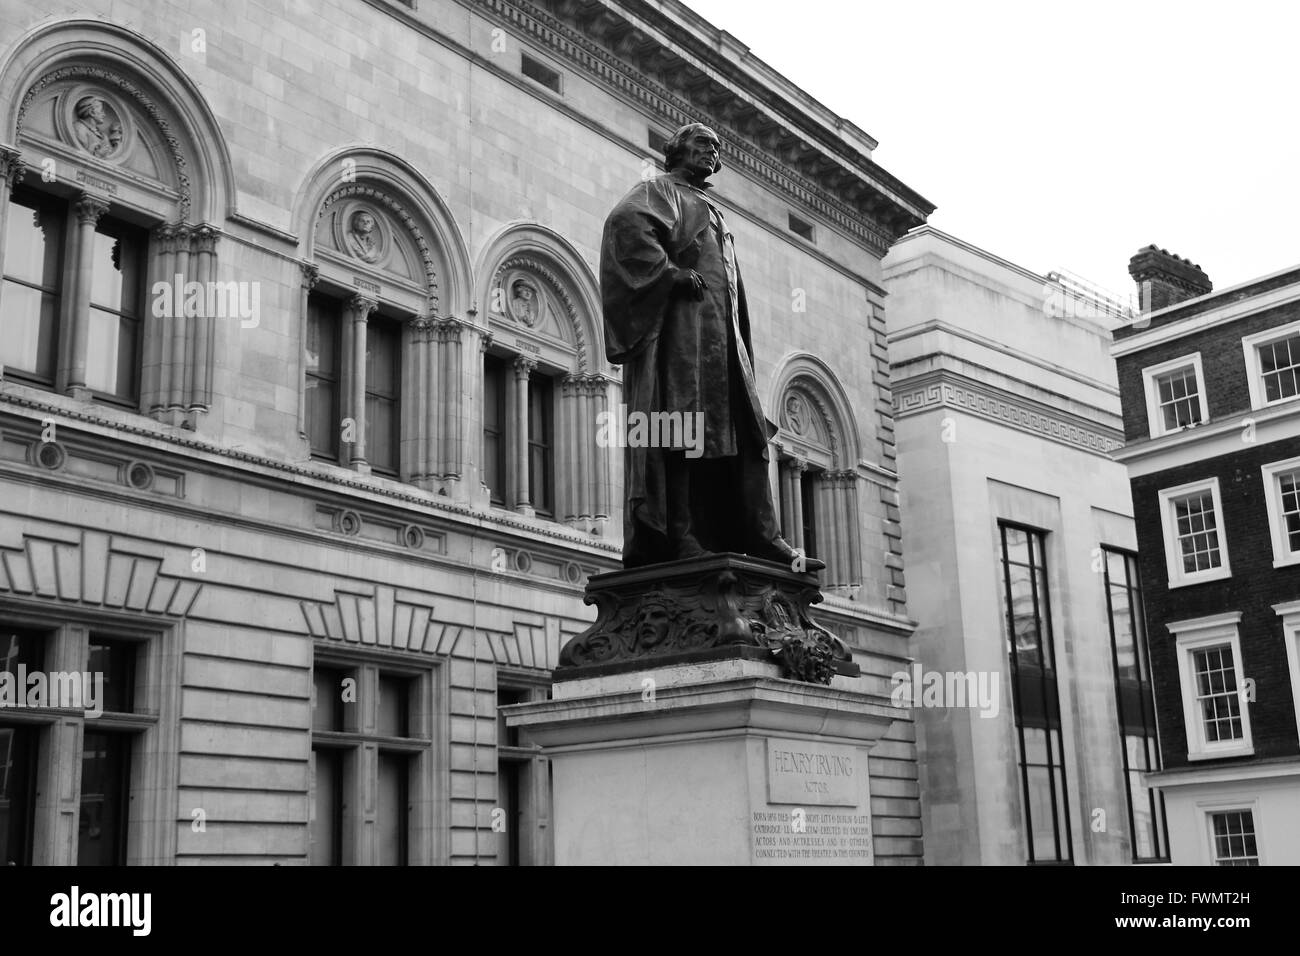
(689, 284)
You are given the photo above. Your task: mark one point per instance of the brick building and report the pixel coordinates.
(1210, 384)
(303, 363)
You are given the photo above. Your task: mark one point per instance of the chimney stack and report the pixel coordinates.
(1164, 279)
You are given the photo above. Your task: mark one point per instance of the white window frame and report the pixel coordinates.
(1169, 524)
(1290, 615)
(1198, 634)
(1282, 553)
(1254, 377)
(1155, 420)
(1208, 810)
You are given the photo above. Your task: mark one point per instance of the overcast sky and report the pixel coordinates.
(1066, 136)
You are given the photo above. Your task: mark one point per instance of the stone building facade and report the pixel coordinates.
(303, 367)
(1030, 682)
(1210, 382)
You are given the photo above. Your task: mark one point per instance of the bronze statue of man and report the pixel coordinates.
(677, 321)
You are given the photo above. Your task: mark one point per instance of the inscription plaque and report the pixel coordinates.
(804, 772)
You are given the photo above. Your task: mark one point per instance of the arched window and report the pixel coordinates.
(545, 387)
(382, 354)
(816, 472)
(109, 284)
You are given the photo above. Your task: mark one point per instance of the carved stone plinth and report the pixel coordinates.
(717, 607)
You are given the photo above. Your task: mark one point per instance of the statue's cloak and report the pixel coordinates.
(679, 354)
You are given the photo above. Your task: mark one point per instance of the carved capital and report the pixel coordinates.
(361, 306)
(205, 238)
(449, 329)
(485, 341)
(89, 209)
(310, 275)
(12, 166)
(523, 366)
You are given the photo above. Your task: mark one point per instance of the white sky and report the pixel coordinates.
(1066, 136)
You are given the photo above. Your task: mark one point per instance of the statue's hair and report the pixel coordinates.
(675, 147)
(86, 106)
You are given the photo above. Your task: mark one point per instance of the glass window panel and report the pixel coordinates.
(327, 698)
(382, 440)
(327, 807)
(394, 706)
(322, 416)
(494, 427)
(383, 382)
(34, 240)
(17, 794)
(540, 449)
(21, 647)
(391, 813)
(30, 331)
(115, 661)
(101, 831)
(1043, 832)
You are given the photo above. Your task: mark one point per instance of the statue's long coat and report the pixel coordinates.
(679, 354)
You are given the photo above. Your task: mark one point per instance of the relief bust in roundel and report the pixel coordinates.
(96, 124)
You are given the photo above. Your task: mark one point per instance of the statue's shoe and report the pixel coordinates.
(778, 549)
(688, 548)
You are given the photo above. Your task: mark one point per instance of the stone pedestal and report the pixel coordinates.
(706, 718)
(721, 763)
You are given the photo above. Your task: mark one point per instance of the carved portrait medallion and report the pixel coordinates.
(95, 123)
(361, 232)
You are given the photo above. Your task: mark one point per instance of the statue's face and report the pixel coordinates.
(363, 223)
(524, 292)
(652, 623)
(700, 156)
(94, 111)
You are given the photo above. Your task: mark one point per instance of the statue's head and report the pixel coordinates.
(90, 108)
(694, 148)
(363, 223)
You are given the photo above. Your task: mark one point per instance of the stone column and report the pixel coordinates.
(198, 368)
(523, 367)
(180, 326)
(310, 276)
(359, 309)
(449, 344)
(418, 400)
(824, 520)
(155, 373)
(566, 454)
(600, 457)
(586, 440)
(853, 529)
(794, 469)
(88, 210)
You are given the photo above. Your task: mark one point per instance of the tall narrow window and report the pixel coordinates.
(1135, 704)
(494, 428)
(541, 460)
(1027, 614)
(323, 419)
(520, 771)
(362, 805)
(17, 793)
(116, 310)
(383, 388)
(32, 289)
